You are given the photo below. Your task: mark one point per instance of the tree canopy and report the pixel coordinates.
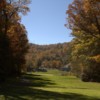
(13, 36)
(84, 20)
(84, 15)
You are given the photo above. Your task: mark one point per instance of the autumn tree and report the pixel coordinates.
(84, 20)
(13, 36)
(84, 15)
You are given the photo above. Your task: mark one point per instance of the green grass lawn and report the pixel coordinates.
(49, 86)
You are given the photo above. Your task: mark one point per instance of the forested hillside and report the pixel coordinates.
(49, 56)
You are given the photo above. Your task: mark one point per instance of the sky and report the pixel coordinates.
(45, 22)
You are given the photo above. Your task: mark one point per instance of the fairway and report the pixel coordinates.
(49, 85)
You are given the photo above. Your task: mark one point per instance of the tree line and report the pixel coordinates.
(48, 56)
(84, 21)
(83, 52)
(13, 37)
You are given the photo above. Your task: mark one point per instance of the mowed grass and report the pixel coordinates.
(49, 85)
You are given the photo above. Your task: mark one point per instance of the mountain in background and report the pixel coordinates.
(48, 56)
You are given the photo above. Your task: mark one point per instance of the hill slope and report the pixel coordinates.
(49, 56)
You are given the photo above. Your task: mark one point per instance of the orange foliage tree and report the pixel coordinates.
(13, 36)
(84, 15)
(84, 20)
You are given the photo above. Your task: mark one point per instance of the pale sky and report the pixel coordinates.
(45, 22)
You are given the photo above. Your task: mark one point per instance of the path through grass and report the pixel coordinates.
(49, 86)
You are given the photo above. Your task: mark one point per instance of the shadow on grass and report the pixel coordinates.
(21, 90)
